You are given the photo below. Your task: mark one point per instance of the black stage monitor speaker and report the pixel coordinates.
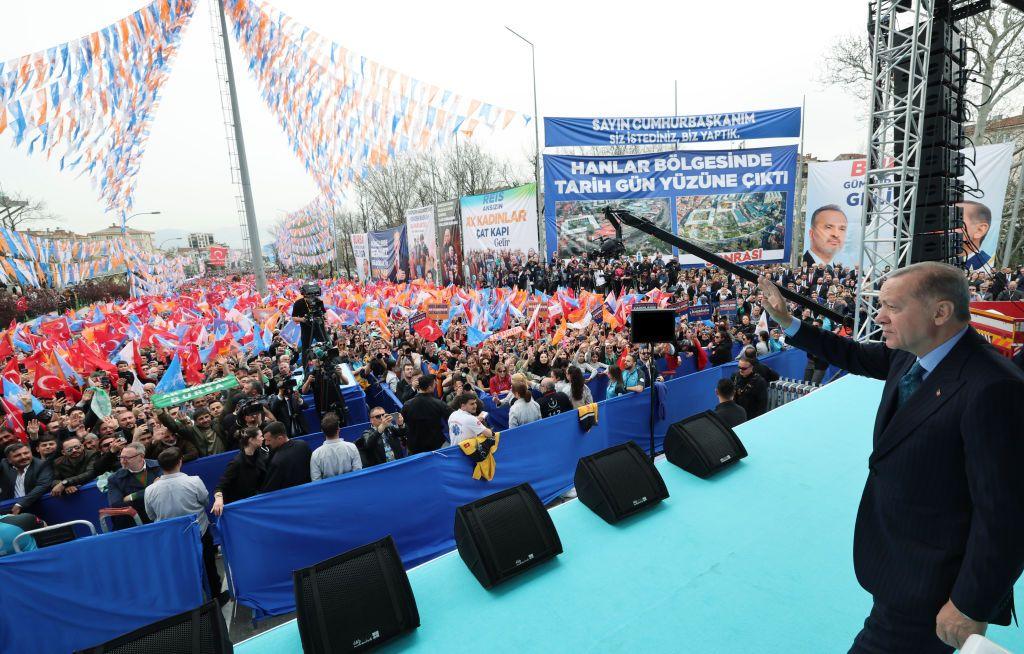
(618, 482)
(354, 601)
(199, 631)
(505, 534)
(653, 326)
(702, 445)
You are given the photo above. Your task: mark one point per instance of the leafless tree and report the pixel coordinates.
(995, 44)
(19, 211)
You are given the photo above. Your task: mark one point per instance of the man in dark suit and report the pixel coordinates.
(938, 542)
(24, 476)
(728, 411)
(289, 459)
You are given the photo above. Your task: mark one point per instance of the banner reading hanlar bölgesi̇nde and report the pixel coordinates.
(835, 193)
(735, 203)
(496, 225)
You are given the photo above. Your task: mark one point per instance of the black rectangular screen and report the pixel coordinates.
(653, 326)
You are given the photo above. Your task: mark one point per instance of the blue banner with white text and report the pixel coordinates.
(671, 130)
(735, 203)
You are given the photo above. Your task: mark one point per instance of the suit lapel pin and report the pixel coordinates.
(938, 392)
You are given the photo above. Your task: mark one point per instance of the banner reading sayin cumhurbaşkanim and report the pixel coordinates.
(736, 203)
(654, 130)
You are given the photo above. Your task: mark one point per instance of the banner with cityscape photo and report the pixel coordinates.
(735, 203)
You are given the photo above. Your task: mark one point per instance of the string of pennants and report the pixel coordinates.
(34, 261)
(343, 113)
(306, 237)
(88, 102)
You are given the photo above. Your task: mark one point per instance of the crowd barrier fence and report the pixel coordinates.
(414, 499)
(68, 597)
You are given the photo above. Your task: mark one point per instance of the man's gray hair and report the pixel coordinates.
(940, 281)
(138, 447)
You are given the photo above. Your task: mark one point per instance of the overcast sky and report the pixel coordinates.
(594, 58)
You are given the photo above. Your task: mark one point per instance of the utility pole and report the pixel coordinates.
(255, 251)
(536, 131)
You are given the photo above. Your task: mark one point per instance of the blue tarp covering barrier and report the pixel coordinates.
(414, 499)
(86, 503)
(67, 597)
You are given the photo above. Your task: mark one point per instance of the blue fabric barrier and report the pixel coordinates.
(86, 503)
(414, 499)
(64, 598)
(355, 400)
(381, 395)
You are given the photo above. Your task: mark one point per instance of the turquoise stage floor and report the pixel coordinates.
(757, 559)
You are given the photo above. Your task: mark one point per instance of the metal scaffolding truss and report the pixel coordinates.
(900, 38)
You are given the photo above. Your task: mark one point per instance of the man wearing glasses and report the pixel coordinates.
(383, 441)
(127, 486)
(751, 389)
(75, 468)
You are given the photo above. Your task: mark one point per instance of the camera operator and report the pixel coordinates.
(249, 412)
(286, 405)
(307, 311)
(323, 381)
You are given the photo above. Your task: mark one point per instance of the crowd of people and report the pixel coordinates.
(441, 383)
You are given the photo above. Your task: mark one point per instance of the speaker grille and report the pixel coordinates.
(510, 532)
(354, 601)
(173, 639)
(628, 486)
(357, 588)
(711, 440)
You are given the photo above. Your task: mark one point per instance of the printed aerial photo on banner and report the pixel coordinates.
(389, 255)
(736, 203)
(422, 236)
(449, 242)
(835, 190)
(500, 225)
(361, 255)
(582, 228)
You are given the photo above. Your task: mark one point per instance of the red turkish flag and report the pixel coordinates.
(46, 382)
(218, 256)
(426, 328)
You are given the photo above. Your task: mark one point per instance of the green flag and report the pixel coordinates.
(100, 403)
(174, 398)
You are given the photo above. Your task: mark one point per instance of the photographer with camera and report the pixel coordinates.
(249, 412)
(286, 405)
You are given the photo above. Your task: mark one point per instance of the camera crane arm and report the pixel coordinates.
(618, 217)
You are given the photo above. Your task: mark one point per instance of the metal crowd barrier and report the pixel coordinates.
(786, 390)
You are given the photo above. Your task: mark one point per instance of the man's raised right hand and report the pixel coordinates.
(774, 303)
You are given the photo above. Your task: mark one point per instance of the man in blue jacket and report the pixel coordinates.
(127, 486)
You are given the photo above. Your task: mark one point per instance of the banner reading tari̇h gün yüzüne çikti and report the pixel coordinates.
(735, 203)
(389, 255)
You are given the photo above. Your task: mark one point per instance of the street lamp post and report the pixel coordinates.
(124, 223)
(536, 126)
(168, 240)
